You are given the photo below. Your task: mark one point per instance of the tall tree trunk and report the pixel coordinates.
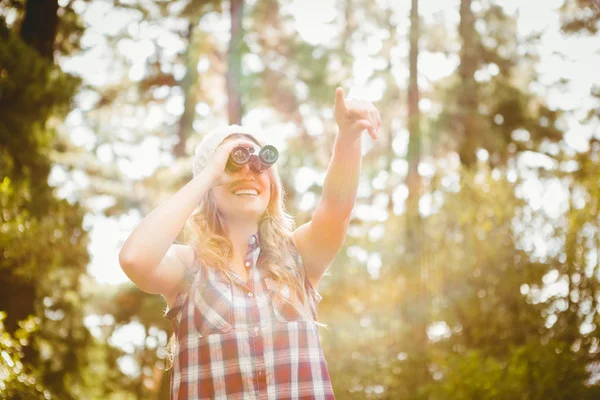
(234, 70)
(467, 95)
(413, 180)
(417, 311)
(40, 25)
(188, 86)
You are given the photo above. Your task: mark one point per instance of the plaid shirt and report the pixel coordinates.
(237, 340)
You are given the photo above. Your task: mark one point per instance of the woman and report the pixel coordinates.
(243, 296)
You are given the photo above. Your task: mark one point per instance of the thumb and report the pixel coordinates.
(340, 103)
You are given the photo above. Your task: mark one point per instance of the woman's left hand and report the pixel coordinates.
(354, 116)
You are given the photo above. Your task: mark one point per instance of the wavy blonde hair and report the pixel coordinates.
(275, 228)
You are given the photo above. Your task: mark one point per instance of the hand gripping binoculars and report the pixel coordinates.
(241, 156)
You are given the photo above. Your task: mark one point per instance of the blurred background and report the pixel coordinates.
(471, 269)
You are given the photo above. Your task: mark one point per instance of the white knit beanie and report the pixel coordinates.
(205, 150)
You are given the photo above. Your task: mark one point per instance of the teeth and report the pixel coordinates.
(246, 191)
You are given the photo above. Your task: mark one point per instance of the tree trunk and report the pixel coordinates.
(416, 312)
(188, 86)
(40, 25)
(234, 70)
(413, 180)
(467, 96)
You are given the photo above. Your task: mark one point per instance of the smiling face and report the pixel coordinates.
(248, 196)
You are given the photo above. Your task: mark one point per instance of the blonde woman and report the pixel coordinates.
(243, 295)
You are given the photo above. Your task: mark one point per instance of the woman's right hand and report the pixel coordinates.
(215, 169)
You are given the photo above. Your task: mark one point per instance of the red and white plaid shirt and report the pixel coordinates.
(237, 340)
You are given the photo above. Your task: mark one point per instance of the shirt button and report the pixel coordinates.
(250, 294)
(256, 329)
(247, 263)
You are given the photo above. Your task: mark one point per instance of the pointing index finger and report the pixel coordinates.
(340, 103)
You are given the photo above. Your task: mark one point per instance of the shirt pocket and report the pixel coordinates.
(282, 309)
(214, 308)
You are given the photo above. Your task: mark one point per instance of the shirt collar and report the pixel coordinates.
(254, 241)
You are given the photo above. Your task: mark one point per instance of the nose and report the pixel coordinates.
(243, 172)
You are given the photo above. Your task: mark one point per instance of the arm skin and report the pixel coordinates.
(320, 239)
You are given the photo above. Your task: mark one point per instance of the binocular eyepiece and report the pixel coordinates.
(241, 156)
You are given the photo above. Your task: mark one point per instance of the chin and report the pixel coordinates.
(248, 210)
(254, 211)
(243, 208)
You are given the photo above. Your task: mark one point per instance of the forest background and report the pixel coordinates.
(471, 269)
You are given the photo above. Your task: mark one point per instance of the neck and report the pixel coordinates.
(239, 233)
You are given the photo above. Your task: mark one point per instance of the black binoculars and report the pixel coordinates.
(241, 156)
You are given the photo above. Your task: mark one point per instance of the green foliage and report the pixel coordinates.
(532, 371)
(43, 247)
(31, 90)
(496, 344)
(17, 377)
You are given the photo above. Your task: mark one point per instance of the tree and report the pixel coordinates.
(485, 103)
(414, 115)
(43, 242)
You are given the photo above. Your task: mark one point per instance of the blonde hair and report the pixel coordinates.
(278, 254)
(275, 229)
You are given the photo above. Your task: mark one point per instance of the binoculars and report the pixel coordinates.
(241, 156)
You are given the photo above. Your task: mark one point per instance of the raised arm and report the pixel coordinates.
(149, 258)
(320, 239)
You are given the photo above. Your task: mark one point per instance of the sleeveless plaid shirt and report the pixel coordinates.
(237, 340)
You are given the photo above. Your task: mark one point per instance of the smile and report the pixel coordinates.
(245, 192)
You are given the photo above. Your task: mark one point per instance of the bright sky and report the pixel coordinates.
(313, 23)
(580, 66)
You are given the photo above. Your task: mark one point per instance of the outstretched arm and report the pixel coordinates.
(320, 239)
